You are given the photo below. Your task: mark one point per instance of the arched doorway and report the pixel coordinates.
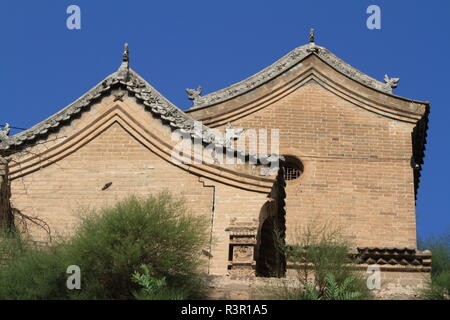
(267, 264)
(270, 255)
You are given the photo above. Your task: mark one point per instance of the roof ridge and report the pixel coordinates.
(286, 62)
(153, 100)
(57, 118)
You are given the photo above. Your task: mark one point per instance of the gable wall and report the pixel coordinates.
(357, 166)
(57, 193)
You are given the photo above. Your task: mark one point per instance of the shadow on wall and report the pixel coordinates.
(270, 254)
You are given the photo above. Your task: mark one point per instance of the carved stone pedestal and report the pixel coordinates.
(242, 248)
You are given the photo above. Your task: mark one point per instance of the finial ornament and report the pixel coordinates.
(123, 71)
(125, 56)
(312, 48)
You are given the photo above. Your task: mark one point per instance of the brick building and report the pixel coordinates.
(349, 154)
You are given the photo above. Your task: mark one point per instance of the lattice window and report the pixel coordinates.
(293, 168)
(291, 173)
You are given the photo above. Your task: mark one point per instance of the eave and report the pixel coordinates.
(153, 102)
(283, 65)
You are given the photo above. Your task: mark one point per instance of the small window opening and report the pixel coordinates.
(292, 167)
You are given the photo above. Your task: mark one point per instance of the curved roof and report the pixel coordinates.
(161, 107)
(153, 101)
(286, 62)
(294, 58)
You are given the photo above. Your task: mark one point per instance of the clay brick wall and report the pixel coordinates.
(357, 172)
(357, 166)
(59, 192)
(231, 204)
(394, 286)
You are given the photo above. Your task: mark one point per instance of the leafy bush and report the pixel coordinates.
(109, 246)
(438, 287)
(153, 288)
(11, 244)
(333, 290)
(320, 257)
(37, 274)
(28, 273)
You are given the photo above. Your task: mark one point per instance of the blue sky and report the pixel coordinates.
(179, 44)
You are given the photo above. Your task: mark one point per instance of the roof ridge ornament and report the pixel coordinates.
(312, 45)
(194, 94)
(125, 56)
(124, 68)
(4, 134)
(390, 83)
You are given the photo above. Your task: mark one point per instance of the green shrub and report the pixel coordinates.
(109, 246)
(153, 288)
(11, 245)
(438, 287)
(36, 274)
(332, 290)
(340, 291)
(324, 268)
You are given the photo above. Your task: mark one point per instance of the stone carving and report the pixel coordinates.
(125, 55)
(232, 133)
(312, 46)
(5, 132)
(119, 95)
(311, 36)
(391, 83)
(123, 71)
(194, 94)
(243, 253)
(242, 244)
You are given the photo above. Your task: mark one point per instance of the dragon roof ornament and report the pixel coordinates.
(4, 134)
(288, 61)
(152, 100)
(391, 83)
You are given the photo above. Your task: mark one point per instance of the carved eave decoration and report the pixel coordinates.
(403, 258)
(388, 259)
